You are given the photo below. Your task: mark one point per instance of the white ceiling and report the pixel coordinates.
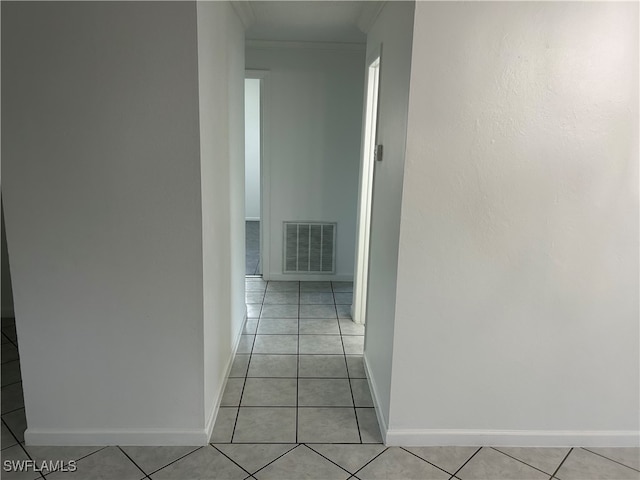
(307, 21)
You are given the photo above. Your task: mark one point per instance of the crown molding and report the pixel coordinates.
(275, 44)
(369, 15)
(244, 10)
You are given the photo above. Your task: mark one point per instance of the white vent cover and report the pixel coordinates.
(309, 247)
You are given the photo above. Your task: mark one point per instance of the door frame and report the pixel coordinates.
(265, 184)
(371, 114)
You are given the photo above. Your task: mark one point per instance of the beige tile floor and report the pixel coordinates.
(297, 406)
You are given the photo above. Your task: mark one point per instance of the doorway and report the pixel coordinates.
(252, 175)
(371, 152)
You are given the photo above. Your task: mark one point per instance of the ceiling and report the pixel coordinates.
(308, 21)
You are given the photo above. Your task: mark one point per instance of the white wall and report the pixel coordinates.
(517, 288)
(252, 148)
(221, 90)
(102, 198)
(313, 147)
(392, 29)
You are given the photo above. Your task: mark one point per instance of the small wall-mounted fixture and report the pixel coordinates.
(377, 154)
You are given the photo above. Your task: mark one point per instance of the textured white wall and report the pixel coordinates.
(392, 29)
(221, 90)
(252, 149)
(313, 127)
(101, 191)
(518, 269)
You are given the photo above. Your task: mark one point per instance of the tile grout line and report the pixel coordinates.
(353, 399)
(518, 460)
(553, 475)
(468, 460)
(604, 456)
(327, 458)
(427, 461)
(277, 458)
(174, 461)
(132, 461)
(231, 459)
(365, 465)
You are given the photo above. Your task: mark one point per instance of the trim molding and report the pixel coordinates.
(273, 44)
(382, 423)
(245, 12)
(124, 436)
(369, 15)
(211, 419)
(512, 438)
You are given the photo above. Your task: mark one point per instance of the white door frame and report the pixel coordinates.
(265, 184)
(365, 191)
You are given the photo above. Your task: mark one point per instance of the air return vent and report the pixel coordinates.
(309, 247)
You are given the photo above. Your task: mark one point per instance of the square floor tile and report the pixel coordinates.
(355, 365)
(17, 423)
(239, 366)
(253, 457)
(327, 425)
(349, 327)
(342, 286)
(328, 366)
(545, 459)
(8, 352)
(273, 366)
(151, 459)
(269, 392)
(361, 392)
(11, 373)
(315, 287)
(396, 463)
(275, 286)
(254, 297)
(246, 343)
(250, 326)
(253, 310)
(628, 456)
(350, 457)
(265, 424)
(106, 464)
(225, 422)
(584, 465)
(344, 311)
(283, 326)
(232, 392)
(279, 311)
(276, 344)
(317, 311)
(17, 453)
(11, 397)
(489, 463)
(324, 392)
(302, 462)
(319, 326)
(447, 458)
(281, 298)
(203, 464)
(255, 284)
(343, 298)
(321, 344)
(7, 438)
(353, 344)
(316, 298)
(368, 424)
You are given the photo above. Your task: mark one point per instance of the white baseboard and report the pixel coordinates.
(252, 219)
(308, 277)
(213, 414)
(511, 438)
(125, 436)
(382, 423)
